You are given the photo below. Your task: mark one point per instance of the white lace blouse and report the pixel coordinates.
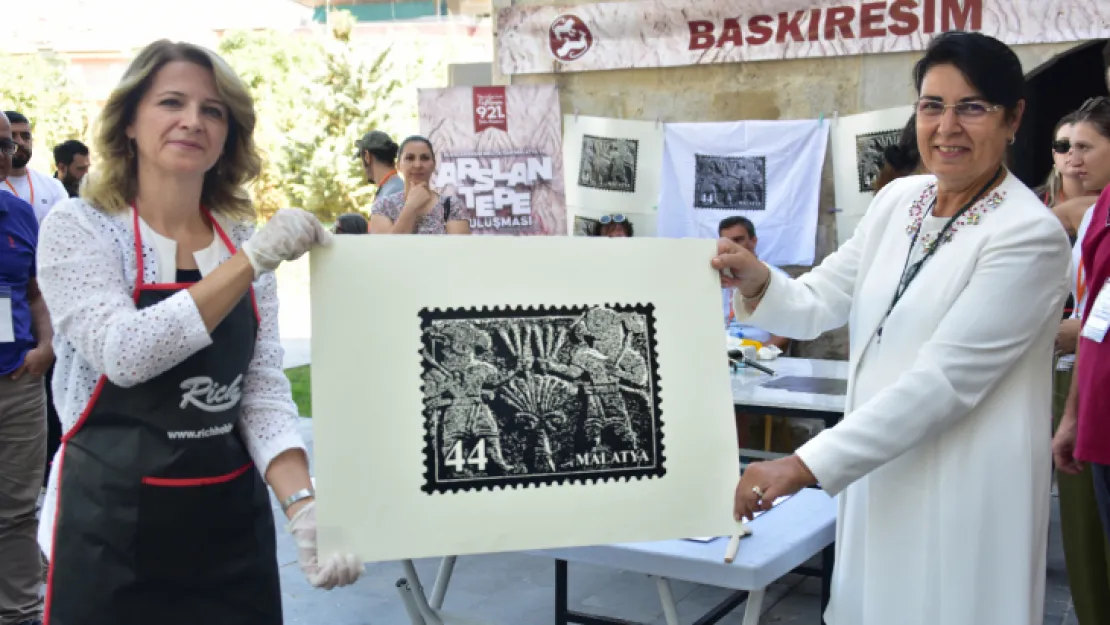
(86, 271)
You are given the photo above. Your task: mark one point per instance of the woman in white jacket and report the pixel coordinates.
(952, 287)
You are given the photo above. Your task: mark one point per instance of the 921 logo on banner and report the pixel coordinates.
(490, 109)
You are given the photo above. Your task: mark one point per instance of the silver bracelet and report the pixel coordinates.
(300, 495)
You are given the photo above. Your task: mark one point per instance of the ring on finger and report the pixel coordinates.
(758, 491)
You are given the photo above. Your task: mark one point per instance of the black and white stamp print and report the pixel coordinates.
(608, 164)
(586, 226)
(730, 182)
(869, 155)
(532, 396)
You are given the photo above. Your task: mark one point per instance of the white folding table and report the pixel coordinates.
(782, 540)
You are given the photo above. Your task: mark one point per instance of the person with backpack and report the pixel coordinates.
(419, 209)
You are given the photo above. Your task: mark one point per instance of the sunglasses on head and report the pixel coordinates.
(1094, 103)
(1061, 146)
(612, 219)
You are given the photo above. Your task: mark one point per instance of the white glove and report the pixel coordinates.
(289, 234)
(337, 571)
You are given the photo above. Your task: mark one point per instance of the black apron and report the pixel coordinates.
(161, 516)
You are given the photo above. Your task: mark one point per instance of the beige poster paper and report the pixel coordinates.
(858, 142)
(668, 33)
(501, 149)
(613, 167)
(490, 394)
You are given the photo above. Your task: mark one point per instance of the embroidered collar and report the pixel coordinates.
(972, 217)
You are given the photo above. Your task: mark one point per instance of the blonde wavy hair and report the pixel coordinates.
(115, 183)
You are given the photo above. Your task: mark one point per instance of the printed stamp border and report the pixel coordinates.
(896, 132)
(429, 448)
(762, 158)
(635, 164)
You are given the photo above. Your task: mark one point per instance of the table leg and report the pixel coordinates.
(666, 597)
(754, 607)
(417, 591)
(561, 591)
(405, 591)
(443, 578)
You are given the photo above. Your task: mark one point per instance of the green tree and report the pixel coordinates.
(279, 70)
(353, 94)
(38, 85)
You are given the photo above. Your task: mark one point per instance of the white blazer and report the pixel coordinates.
(942, 462)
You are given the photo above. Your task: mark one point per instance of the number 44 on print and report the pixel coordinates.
(540, 396)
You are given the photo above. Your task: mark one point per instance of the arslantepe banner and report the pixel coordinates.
(668, 33)
(501, 149)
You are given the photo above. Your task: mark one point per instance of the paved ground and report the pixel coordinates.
(513, 589)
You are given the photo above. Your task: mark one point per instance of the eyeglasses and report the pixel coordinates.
(1061, 146)
(612, 219)
(8, 148)
(967, 110)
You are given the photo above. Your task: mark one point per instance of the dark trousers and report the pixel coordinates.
(53, 425)
(1101, 475)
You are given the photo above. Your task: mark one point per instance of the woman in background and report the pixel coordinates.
(1086, 549)
(900, 159)
(419, 209)
(614, 226)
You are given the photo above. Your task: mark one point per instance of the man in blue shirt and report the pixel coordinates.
(26, 354)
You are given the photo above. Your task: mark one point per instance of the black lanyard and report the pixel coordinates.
(910, 272)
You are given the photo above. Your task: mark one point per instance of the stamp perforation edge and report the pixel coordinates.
(635, 143)
(699, 173)
(433, 449)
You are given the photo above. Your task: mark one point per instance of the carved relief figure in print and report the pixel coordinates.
(463, 383)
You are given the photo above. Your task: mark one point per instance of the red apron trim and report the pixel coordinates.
(84, 415)
(197, 481)
(139, 286)
(61, 455)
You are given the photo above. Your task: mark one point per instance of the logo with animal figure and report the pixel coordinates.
(569, 38)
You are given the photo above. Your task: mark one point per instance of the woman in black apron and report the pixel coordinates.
(158, 511)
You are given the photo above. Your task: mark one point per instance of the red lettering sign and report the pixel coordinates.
(490, 109)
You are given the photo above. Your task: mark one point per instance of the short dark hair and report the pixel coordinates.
(989, 65)
(351, 223)
(16, 117)
(423, 140)
(66, 150)
(623, 225)
(736, 220)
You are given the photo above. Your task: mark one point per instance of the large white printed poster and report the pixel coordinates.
(501, 149)
(858, 142)
(767, 171)
(522, 401)
(612, 167)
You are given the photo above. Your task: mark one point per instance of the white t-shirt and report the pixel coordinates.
(41, 191)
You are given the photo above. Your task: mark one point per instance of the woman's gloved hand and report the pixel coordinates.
(336, 571)
(289, 234)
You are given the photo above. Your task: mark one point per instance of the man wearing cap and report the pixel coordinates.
(378, 153)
